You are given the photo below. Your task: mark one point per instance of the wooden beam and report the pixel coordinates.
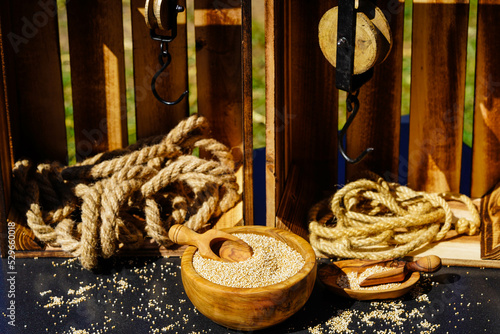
(152, 116)
(378, 122)
(439, 53)
(95, 31)
(38, 122)
(218, 35)
(486, 143)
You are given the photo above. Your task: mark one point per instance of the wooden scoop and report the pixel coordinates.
(426, 264)
(213, 244)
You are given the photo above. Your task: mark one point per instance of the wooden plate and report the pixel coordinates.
(328, 275)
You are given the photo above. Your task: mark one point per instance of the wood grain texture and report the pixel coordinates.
(303, 113)
(6, 154)
(295, 191)
(486, 143)
(252, 308)
(274, 53)
(218, 66)
(212, 244)
(246, 73)
(439, 46)
(373, 38)
(329, 274)
(218, 35)
(95, 31)
(490, 234)
(378, 121)
(428, 264)
(37, 122)
(152, 116)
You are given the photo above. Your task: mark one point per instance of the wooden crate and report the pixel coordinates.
(32, 114)
(302, 109)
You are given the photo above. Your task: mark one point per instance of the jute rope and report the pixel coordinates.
(115, 199)
(377, 220)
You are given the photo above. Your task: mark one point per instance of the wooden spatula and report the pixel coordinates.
(426, 264)
(213, 244)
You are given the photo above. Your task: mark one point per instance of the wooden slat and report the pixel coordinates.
(486, 144)
(490, 232)
(5, 137)
(95, 31)
(218, 65)
(219, 80)
(439, 45)
(153, 117)
(305, 108)
(274, 103)
(377, 124)
(246, 73)
(38, 125)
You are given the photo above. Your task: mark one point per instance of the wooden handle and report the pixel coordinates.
(182, 235)
(213, 244)
(426, 264)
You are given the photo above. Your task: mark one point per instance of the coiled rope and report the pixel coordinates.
(377, 220)
(115, 199)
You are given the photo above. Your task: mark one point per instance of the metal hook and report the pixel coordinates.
(164, 64)
(352, 105)
(165, 58)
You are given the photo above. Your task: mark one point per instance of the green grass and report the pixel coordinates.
(259, 84)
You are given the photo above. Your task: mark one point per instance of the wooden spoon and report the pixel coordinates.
(329, 274)
(426, 264)
(213, 244)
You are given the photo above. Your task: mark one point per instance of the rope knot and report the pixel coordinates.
(377, 220)
(115, 199)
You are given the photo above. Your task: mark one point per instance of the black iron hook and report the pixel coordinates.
(165, 58)
(164, 64)
(352, 106)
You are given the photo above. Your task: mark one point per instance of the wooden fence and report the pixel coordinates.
(32, 114)
(302, 105)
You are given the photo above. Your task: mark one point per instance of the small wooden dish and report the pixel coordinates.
(251, 309)
(329, 274)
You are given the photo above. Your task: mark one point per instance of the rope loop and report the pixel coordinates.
(375, 219)
(116, 199)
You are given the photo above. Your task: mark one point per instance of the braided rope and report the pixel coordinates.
(116, 198)
(377, 220)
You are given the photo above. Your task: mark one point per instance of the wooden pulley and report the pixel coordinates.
(161, 14)
(373, 39)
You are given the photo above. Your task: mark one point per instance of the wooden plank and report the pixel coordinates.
(490, 233)
(290, 207)
(246, 73)
(38, 121)
(6, 80)
(274, 105)
(305, 116)
(95, 30)
(153, 117)
(218, 65)
(486, 143)
(219, 80)
(378, 121)
(439, 46)
(458, 250)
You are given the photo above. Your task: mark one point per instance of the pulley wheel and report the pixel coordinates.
(373, 36)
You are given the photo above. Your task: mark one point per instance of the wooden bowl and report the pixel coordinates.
(252, 308)
(329, 274)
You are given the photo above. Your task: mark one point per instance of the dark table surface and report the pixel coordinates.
(145, 295)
